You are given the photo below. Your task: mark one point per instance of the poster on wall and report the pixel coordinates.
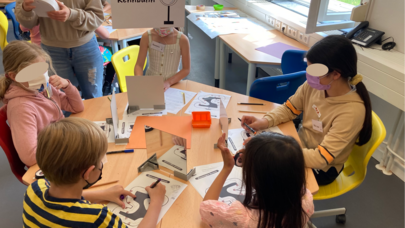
(147, 13)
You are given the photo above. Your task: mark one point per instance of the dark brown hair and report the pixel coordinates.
(274, 176)
(338, 54)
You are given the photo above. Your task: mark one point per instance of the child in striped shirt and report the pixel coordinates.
(70, 154)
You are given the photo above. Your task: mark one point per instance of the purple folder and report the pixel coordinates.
(276, 49)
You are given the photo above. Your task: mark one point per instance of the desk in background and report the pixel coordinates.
(123, 167)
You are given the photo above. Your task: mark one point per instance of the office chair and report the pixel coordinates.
(293, 61)
(125, 68)
(277, 89)
(6, 142)
(354, 172)
(3, 30)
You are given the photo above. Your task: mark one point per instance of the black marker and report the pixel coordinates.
(157, 182)
(251, 129)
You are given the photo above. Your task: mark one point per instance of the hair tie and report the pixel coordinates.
(356, 79)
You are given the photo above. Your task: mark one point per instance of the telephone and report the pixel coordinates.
(364, 36)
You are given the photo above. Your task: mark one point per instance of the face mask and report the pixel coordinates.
(88, 185)
(36, 75)
(314, 73)
(163, 31)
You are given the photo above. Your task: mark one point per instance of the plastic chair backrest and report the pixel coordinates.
(10, 13)
(6, 142)
(125, 68)
(355, 168)
(277, 88)
(3, 30)
(293, 61)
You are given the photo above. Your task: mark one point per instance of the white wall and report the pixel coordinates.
(388, 16)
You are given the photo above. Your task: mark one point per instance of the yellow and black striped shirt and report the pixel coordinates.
(43, 210)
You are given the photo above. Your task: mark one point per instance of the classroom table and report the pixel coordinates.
(122, 36)
(123, 167)
(244, 45)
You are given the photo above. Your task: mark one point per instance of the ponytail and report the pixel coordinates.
(365, 133)
(5, 82)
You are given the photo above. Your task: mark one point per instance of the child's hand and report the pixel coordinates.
(114, 193)
(58, 82)
(61, 15)
(156, 194)
(255, 123)
(166, 85)
(27, 5)
(229, 162)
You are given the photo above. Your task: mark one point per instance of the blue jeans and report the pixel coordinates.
(82, 65)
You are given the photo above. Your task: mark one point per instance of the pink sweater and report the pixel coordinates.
(221, 215)
(34, 34)
(28, 113)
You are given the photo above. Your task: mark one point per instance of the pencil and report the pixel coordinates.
(102, 184)
(250, 104)
(252, 111)
(109, 99)
(184, 98)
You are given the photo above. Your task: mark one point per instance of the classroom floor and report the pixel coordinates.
(378, 202)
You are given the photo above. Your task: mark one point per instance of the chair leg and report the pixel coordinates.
(330, 212)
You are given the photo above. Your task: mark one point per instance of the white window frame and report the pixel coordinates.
(317, 13)
(324, 16)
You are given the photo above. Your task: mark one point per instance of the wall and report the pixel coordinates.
(388, 16)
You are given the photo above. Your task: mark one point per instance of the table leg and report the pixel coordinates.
(216, 73)
(114, 46)
(222, 64)
(251, 77)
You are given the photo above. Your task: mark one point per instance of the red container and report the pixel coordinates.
(201, 119)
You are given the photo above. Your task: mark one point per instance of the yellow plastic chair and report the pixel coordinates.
(354, 172)
(3, 30)
(125, 68)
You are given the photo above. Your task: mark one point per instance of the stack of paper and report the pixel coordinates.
(44, 6)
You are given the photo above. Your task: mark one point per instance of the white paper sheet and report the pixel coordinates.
(232, 190)
(174, 159)
(174, 99)
(108, 130)
(236, 137)
(109, 28)
(208, 102)
(136, 209)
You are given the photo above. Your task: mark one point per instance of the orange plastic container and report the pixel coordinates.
(201, 119)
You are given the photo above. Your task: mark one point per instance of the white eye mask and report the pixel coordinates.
(35, 75)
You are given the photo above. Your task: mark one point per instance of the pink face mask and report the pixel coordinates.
(314, 73)
(163, 31)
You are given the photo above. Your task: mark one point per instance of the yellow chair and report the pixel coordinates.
(3, 30)
(125, 68)
(354, 171)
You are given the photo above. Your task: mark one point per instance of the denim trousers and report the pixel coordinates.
(82, 65)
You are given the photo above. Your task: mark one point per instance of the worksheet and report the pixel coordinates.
(174, 99)
(108, 130)
(236, 137)
(174, 159)
(208, 102)
(231, 191)
(135, 209)
(124, 129)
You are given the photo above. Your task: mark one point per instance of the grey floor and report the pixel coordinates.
(377, 203)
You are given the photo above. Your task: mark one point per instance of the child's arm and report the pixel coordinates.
(215, 190)
(185, 56)
(157, 195)
(110, 194)
(140, 62)
(102, 32)
(24, 13)
(70, 100)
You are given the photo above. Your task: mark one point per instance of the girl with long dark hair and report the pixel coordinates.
(336, 109)
(273, 174)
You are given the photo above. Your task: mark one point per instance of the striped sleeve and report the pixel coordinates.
(107, 219)
(289, 110)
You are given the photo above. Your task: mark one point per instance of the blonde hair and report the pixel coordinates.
(69, 147)
(16, 56)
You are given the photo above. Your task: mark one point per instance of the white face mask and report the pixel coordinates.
(36, 75)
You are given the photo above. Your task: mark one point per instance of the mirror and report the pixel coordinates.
(170, 151)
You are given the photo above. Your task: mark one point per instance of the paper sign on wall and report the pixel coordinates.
(148, 13)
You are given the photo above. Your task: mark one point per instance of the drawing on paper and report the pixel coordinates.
(135, 209)
(232, 191)
(174, 159)
(209, 102)
(181, 152)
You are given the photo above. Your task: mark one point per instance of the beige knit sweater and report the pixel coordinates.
(85, 17)
(342, 119)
